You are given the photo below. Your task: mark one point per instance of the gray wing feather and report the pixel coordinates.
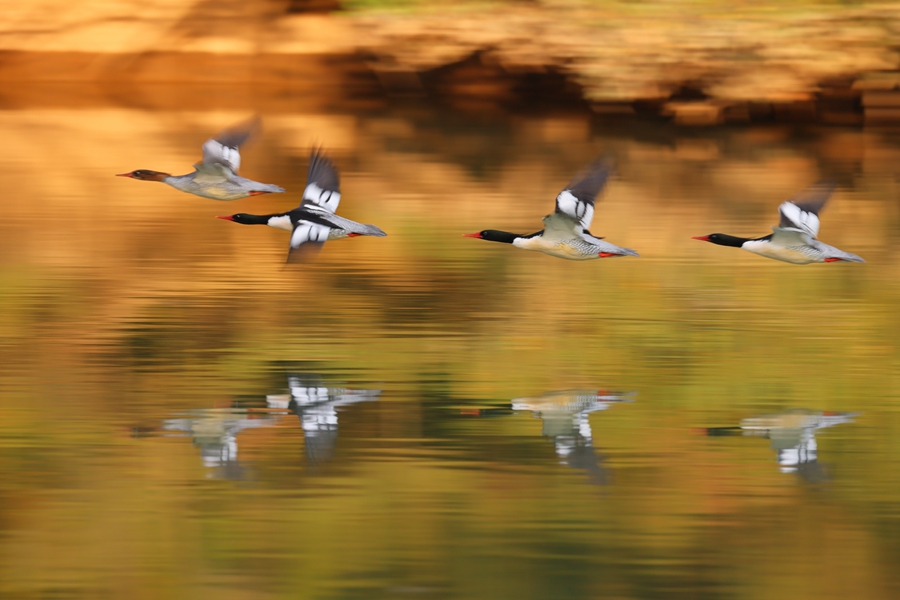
(791, 237)
(234, 136)
(833, 252)
(223, 148)
(604, 246)
(560, 226)
(339, 222)
(354, 227)
(304, 253)
(323, 186)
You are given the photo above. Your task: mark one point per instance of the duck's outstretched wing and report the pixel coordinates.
(222, 150)
(323, 185)
(306, 241)
(801, 212)
(313, 226)
(560, 226)
(576, 201)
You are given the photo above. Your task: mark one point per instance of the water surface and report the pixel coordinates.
(430, 416)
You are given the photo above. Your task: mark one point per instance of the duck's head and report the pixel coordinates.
(145, 175)
(722, 239)
(492, 235)
(245, 219)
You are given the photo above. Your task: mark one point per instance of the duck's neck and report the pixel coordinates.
(245, 219)
(157, 176)
(729, 240)
(505, 237)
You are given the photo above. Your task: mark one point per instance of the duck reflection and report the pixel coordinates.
(215, 431)
(316, 406)
(564, 415)
(793, 437)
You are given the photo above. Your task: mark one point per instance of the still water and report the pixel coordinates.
(430, 416)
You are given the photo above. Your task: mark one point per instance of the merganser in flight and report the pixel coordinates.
(794, 239)
(565, 233)
(313, 222)
(216, 175)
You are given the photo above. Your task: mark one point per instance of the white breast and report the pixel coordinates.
(790, 254)
(281, 222)
(552, 247)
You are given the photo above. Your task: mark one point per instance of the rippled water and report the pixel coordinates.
(430, 416)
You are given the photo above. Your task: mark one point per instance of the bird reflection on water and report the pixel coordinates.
(315, 404)
(215, 431)
(564, 415)
(793, 437)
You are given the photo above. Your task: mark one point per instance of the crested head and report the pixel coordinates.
(145, 175)
(245, 219)
(722, 239)
(493, 235)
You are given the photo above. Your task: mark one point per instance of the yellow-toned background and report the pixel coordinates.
(124, 304)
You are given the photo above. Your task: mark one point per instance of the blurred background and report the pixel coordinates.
(696, 62)
(425, 415)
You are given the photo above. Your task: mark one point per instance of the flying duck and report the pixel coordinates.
(313, 222)
(794, 239)
(565, 233)
(216, 175)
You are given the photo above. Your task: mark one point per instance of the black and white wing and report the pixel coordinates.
(323, 186)
(307, 390)
(577, 200)
(222, 150)
(801, 213)
(307, 240)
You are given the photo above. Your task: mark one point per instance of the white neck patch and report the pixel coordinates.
(281, 222)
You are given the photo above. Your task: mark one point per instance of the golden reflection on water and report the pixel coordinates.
(130, 314)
